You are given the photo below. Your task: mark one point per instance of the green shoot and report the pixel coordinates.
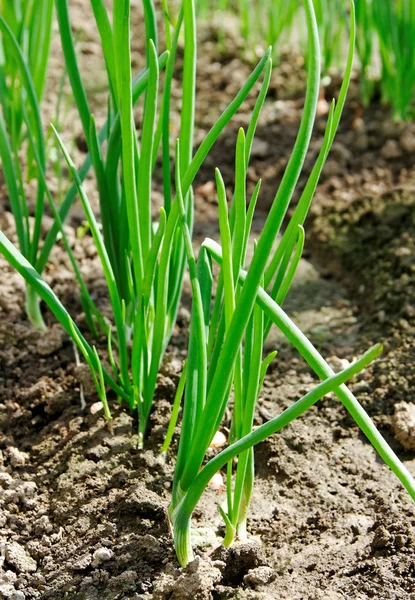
(22, 80)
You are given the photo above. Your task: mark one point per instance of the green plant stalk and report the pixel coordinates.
(107, 43)
(87, 302)
(216, 400)
(39, 45)
(364, 45)
(121, 20)
(195, 391)
(108, 272)
(288, 241)
(189, 86)
(165, 111)
(145, 165)
(9, 152)
(323, 370)
(182, 513)
(139, 86)
(175, 411)
(161, 336)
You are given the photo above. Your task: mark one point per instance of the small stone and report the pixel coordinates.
(165, 386)
(97, 453)
(17, 458)
(5, 480)
(101, 555)
(259, 576)
(96, 408)
(323, 107)
(338, 364)
(9, 577)
(17, 557)
(362, 387)
(27, 490)
(391, 129)
(183, 316)
(18, 596)
(391, 150)
(332, 168)
(403, 424)
(219, 440)
(361, 142)
(203, 537)
(216, 483)
(196, 581)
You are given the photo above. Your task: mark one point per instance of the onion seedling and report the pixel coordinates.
(226, 342)
(25, 33)
(143, 261)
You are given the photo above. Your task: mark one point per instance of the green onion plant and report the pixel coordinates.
(365, 39)
(25, 35)
(395, 27)
(143, 260)
(227, 338)
(331, 20)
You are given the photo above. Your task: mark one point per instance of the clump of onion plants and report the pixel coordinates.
(227, 338)
(272, 21)
(25, 35)
(395, 28)
(143, 260)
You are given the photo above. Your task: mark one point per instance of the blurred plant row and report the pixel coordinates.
(385, 39)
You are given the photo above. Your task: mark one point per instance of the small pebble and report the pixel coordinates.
(338, 364)
(101, 555)
(219, 440)
(216, 482)
(96, 408)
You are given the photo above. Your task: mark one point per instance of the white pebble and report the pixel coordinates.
(96, 407)
(216, 482)
(101, 555)
(219, 440)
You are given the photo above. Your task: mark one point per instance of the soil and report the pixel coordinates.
(84, 513)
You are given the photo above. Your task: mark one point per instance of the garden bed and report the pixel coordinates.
(84, 513)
